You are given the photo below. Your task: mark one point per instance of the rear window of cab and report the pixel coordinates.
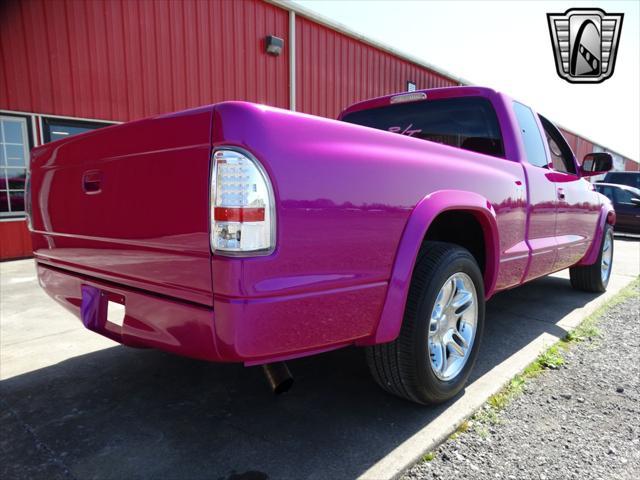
(469, 123)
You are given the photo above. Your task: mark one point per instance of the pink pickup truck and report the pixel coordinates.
(244, 233)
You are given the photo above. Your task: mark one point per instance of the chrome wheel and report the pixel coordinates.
(452, 326)
(607, 257)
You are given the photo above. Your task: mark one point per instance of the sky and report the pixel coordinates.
(505, 45)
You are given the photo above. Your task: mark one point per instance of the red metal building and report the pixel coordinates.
(72, 65)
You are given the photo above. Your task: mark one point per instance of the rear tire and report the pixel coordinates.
(428, 363)
(595, 278)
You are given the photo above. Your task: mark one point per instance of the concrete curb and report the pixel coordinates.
(476, 394)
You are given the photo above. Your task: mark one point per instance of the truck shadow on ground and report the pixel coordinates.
(126, 413)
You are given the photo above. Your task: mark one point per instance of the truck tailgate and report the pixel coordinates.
(129, 204)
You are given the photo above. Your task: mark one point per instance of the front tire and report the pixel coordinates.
(595, 278)
(434, 354)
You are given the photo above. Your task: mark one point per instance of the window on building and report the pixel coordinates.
(57, 128)
(531, 137)
(14, 154)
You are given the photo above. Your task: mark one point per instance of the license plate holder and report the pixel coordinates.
(102, 311)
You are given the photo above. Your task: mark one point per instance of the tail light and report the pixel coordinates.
(242, 205)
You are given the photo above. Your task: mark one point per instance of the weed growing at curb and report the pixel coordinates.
(462, 428)
(551, 359)
(588, 330)
(427, 457)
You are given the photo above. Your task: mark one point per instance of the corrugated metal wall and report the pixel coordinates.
(334, 70)
(15, 241)
(127, 59)
(631, 166)
(571, 139)
(579, 145)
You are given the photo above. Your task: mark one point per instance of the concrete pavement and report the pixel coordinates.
(76, 405)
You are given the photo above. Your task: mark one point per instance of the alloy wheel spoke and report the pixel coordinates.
(439, 298)
(433, 325)
(444, 363)
(457, 349)
(449, 290)
(462, 301)
(461, 340)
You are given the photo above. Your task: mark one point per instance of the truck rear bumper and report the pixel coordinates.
(253, 331)
(150, 320)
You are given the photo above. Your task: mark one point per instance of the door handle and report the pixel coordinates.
(91, 181)
(561, 193)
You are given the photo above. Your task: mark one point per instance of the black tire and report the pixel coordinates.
(588, 278)
(403, 367)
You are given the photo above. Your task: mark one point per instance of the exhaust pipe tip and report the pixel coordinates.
(278, 376)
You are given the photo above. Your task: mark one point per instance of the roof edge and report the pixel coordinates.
(327, 22)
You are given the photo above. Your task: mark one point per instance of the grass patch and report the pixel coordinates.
(532, 370)
(485, 416)
(481, 430)
(490, 413)
(427, 457)
(462, 428)
(581, 334)
(551, 358)
(588, 329)
(501, 399)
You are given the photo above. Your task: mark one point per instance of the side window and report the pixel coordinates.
(607, 191)
(56, 128)
(561, 154)
(14, 155)
(623, 196)
(531, 137)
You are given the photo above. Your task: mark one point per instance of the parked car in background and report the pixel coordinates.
(631, 179)
(626, 203)
(239, 232)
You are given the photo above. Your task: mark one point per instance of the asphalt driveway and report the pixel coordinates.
(75, 405)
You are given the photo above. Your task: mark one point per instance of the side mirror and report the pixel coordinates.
(596, 163)
(636, 201)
